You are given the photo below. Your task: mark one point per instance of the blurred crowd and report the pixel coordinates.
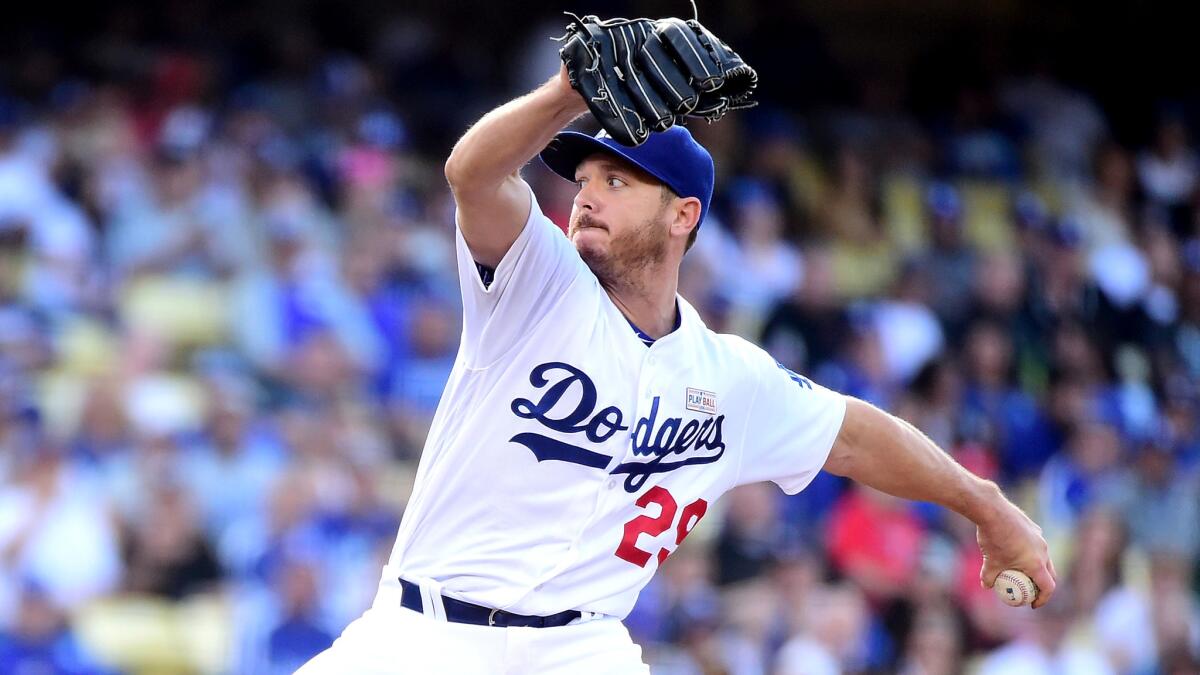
(228, 306)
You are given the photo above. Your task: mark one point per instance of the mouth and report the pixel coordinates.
(580, 228)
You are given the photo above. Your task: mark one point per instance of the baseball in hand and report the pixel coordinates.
(1015, 588)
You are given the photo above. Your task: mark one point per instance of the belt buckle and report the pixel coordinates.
(492, 617)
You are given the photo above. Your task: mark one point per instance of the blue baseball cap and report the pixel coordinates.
(671, 156)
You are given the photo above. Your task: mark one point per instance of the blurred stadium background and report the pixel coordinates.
(228, 308)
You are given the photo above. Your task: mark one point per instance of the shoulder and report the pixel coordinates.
(723, 347)
(755, 366)
(739, 354)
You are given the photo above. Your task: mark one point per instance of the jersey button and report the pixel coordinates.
(612, 483)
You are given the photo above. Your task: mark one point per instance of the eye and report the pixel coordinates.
(613, 181)
(579, 182)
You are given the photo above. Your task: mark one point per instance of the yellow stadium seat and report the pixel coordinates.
(903, 212)
(185, 312)
(151, 636)
(987, 215)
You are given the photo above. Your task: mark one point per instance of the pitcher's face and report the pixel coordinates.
(618, 221)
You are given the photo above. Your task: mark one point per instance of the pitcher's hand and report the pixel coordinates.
(1010, 540)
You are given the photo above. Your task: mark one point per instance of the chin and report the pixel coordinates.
(587, 250)
(593, 254)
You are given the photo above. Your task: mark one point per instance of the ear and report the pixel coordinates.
(686, 212)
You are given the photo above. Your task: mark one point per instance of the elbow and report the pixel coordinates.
(454, 170)
(460, 169)
(463, 178)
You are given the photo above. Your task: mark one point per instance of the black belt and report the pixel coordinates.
(464, 612)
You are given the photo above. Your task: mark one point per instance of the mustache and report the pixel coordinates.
(586, 220)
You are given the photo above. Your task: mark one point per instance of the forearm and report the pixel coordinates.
(503, 140)
(889, 454)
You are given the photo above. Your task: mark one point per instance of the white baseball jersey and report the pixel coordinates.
(567, 459)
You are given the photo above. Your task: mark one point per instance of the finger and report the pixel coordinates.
(705, 73)
(664, 74)
(651, 106)
(1045, 583)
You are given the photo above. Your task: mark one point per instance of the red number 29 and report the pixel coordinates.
(656, 525)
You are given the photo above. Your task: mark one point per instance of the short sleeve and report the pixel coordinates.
(525, 286)
(792, 425)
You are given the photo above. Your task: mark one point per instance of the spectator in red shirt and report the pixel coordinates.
(875, 540)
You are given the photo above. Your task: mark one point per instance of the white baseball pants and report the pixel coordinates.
(391, 640)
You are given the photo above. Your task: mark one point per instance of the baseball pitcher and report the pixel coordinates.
(592, 419)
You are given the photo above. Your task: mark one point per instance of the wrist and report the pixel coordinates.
(983, 502)
(569, 101)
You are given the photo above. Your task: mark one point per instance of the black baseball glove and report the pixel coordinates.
(640, 75)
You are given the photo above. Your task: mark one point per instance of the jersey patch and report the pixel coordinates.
(701, 401)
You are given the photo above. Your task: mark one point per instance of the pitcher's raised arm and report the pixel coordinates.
(483, 169)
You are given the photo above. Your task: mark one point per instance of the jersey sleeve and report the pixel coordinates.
(500, 306)
(792, 425)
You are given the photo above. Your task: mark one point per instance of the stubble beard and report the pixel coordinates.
(627, 255)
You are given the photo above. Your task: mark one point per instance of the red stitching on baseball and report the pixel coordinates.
(1025, 591)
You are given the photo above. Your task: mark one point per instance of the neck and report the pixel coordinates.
(648, 299)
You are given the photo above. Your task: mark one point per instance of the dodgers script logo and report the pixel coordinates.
(670, 443)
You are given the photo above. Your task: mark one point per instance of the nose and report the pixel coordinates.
(585, 199)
